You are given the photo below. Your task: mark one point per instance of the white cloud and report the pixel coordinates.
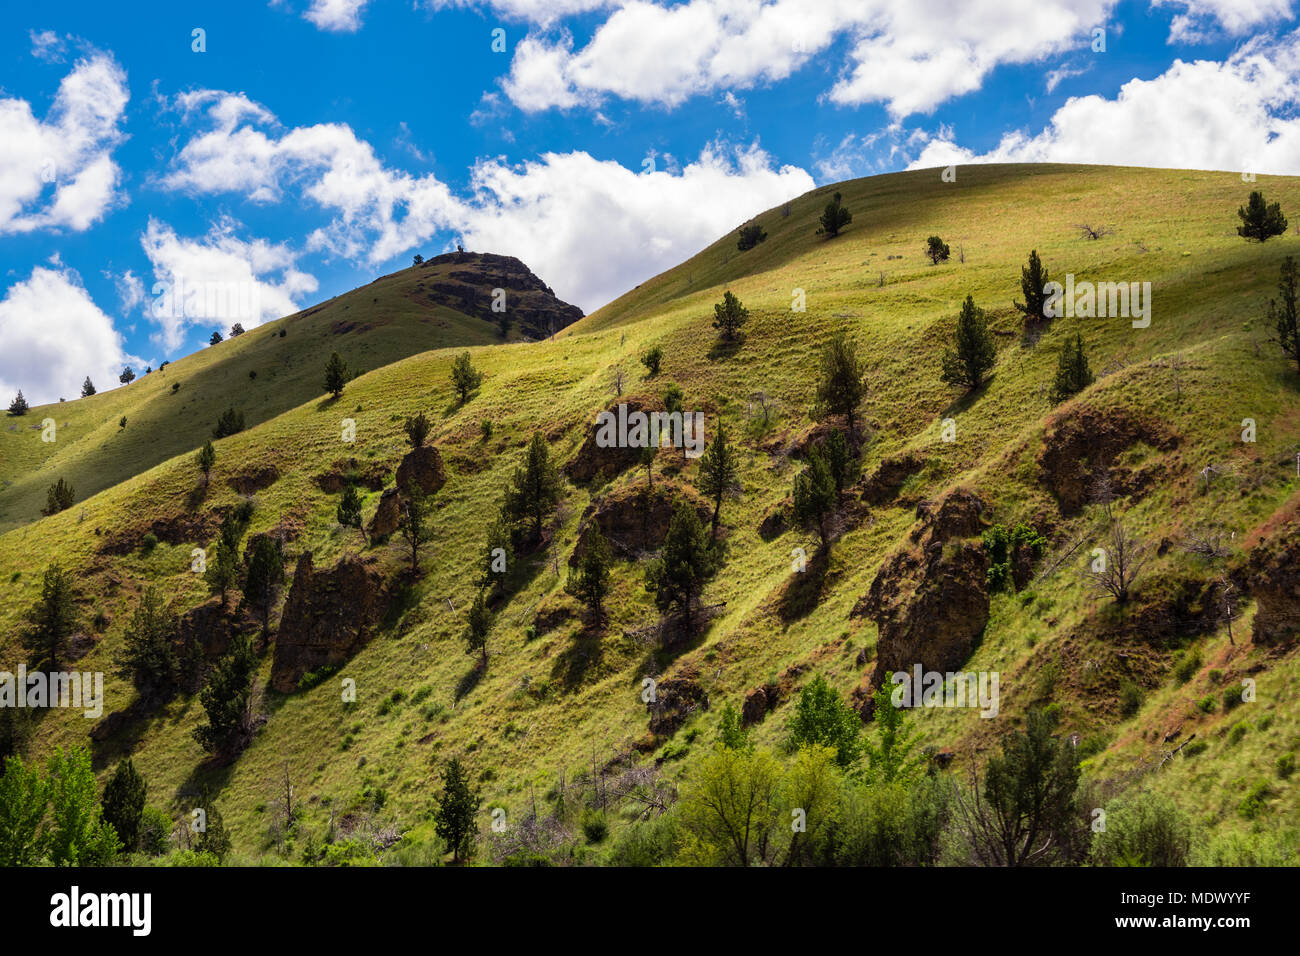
(1234, 115)
(52, 335)
(48, 46)
(1200, 20)
(217, 280)
(59, 172)
(1055, 77)
(543, 12)
(337, 16)
(910, 56)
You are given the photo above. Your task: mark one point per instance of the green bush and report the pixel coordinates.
(1130, 697)
(1255, 801)
(594, 826)
(148, 543)
(1206, 704)
(1186, 665)
(1285, 766)
(1143, 830)
(1237, 732)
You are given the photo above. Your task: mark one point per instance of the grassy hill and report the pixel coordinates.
(266, 371)
(557, 700)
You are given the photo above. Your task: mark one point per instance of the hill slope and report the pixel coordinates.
(557, 700)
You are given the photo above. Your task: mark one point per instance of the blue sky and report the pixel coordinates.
(314, 144)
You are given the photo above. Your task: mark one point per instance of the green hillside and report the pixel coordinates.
(559, 699)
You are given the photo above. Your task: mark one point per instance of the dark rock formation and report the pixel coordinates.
(530, 304)
(423, 468)
(1084, 446)
(635, 520)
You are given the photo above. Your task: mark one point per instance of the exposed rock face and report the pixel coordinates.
(254, 479)
(592, 461)
(387, 516)
(930, 598)
(884, 484)
(207, 626)
(421, 468)
(328, 617)
(676, 698)
(1083, 446)
(468, 288)
(369, 475)
(635, 521)
(755, 707)
(186, 528)
(1274, 580)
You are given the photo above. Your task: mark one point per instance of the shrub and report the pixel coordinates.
(148, 543)
(750, 236)
(651, 359)
(1186, 665)
(1145, 830)
(1130, 698)
(594, 826)
(1255, 802)
(1285, 766)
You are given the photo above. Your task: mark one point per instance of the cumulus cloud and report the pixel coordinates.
(59, 172)
(52, 335)
(336, 16)
(48, 46)
(1199, 20)
(1234, 115)
(216, 280)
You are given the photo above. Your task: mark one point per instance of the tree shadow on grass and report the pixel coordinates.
(967, 399)
(580, 659)
(803, 589)
(470, 680)
(725, 350)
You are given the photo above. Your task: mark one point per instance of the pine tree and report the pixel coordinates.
(205, 459)
(147, 658)
(1284, 319)
(123, 803)
(686, 563)
(58, 497)
(230, 422)
(814, 494)
(226, 699)
(415, 524)
(729, 315)
(349, 510)
(1033, 280)
(843, 380)
(1259, 220)
(87, 388)
(464, 377)
(972, 358)
(223, 566)
(590, 582)
(937, 250)
(216, 337)
(480, 623)
(1072, 372)
(51, 619)
(834, 218)
(536, 487)
(127, 376)
(839, 460)
(336, 375)
(417, 430)
(454, 817)
(19, 405)
(719, 474)
(264, 578)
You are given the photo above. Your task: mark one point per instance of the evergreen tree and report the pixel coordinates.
(127, 376)
(123, 803)
(937, 250)
(729, 315)
(970, 361)
(454, 817)
(1259, 220)
(415, 524)
(264, 578)
(417, 430)
(223, 565)
(834, 218)
(227, 699)
(230, 422)
(1033, 280)
(814, 494)
(719, 474)
(651, 359)
(1284, 319)
(480, 623)
(336, 375)
(535, 490)
(216, 337)
(51, 619)
(236, 330)
(839, 460)
(19, 405)
(87, 388)
(686, 563)
(750, 236)
(205, 459)
(1072, 372)
(147, 658)
(79, 836)
(590, 582)
(464, 377)
(497, 552)
(349, 510)
(843, 380)
(58, 497)
(24, 803)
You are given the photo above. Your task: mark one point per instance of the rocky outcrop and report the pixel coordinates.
(349, 471)
(635, 520)
(594, 462)
(388, 516)
(466, 281)
(930, 598)
(254, 479)
(1085, 445)
(328, 616)
(1273, 576)
(676, 698)
(421, 468)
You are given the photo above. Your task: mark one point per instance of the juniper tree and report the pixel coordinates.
(464, 377)
(236, 330)
(1284, 318)
(215, 338)
(349, 510)
(58, 497)
(937, 250)
(1260, 221)
(51, 620)
(457, 807)
(729, 315)
(417, 430)
(19, 405)
(834, 218)
(814, 494)
(1072, 372)
(972, 357)
(227, 699)
(205, 459)
(590, 581)
(843, 380)
(535, 490)
(719, 474)
(415, 524)
(147, 658)
(123, 803)
(223, 565)
(651, 359)
(1033, 279)
(750, 236)
(264, 577)
(686, 563)
(87, 388)
(336, 375)
(479, 624)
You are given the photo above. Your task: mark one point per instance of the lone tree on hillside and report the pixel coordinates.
(1260, 221)
(814, 494)
(236, 330)
(147, 659)
(58, 497)
(840, 462)
(590, 582)
(1284, 318)
(417, 430)
(215, 338)
(834, 218)
(937, 250)
(87, 388)
(264, 578)
(19, 405)
(535, 490)
(651, 359)
(205, 459)
(336, 375)
(228, 700)
(970, 361)
(843, 380)
(417, 259)
(1033, 279)
(1072, 372)
(415, 524)
(349, 510)
(729, 315)
(123, 803)
(230, 422)
(464, 377)
(1115, 566)
(686, 563)
(127, 376)
(480, 623)
(454, 818)
(719, 474)
(51, 619)
(750, 236)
